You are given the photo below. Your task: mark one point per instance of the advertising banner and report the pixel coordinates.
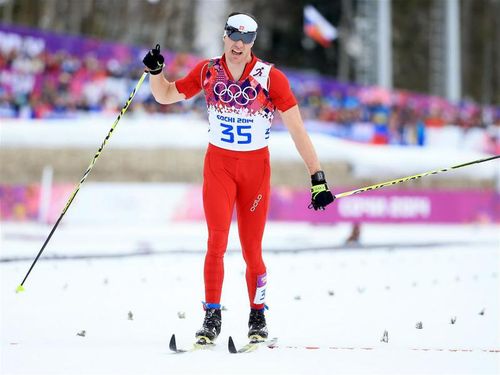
(391, 206)
(183, 202)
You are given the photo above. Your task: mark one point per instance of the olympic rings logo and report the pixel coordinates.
(235, 92)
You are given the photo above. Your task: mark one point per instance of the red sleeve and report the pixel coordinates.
(280, 91)
(191, 84)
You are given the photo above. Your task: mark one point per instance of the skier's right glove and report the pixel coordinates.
(154, 61)
(320, 195)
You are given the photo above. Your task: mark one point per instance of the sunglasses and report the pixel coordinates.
(234, 34)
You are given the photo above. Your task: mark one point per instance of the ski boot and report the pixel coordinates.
(211, 327)
(257, 328)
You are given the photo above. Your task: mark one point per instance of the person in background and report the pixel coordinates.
(242, 93)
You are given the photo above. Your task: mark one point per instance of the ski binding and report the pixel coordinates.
(254, 343)
(201, 343)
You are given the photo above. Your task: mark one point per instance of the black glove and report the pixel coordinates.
(154, 60)
(320, 195)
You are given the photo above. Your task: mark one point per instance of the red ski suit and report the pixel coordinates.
(236, 168)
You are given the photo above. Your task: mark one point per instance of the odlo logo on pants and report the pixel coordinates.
(256, 203)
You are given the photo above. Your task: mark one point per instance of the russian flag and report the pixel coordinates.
(317, 27)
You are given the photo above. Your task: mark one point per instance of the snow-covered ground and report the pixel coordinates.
(329, 307)
(329, 304)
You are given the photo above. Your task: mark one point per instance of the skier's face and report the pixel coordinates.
(237, 52)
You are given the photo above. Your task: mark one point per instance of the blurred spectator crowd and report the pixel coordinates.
(60, 85)
(376, 115)
(38, 83)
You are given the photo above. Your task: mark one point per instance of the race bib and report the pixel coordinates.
(240, 134)
(240, 113)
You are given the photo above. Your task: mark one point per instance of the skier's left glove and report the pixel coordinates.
(320, 195)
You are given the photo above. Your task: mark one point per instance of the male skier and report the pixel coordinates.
(242, 92)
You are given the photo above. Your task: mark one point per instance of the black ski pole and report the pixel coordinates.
(414, 177)
(20, 288)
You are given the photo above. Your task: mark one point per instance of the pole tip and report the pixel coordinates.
(20, 288)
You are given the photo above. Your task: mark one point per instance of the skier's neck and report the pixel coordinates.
(237, 69)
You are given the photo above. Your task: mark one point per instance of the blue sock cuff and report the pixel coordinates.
(210, 305)
(263, 309)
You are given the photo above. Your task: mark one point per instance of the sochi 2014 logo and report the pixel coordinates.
(234, 92)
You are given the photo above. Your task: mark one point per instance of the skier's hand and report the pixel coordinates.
(320, 195)
(154, 61)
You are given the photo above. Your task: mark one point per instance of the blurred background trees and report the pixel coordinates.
(417, 27)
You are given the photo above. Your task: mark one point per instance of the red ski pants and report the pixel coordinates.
(241, 178)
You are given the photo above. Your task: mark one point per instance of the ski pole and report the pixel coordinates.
(20, 288)
(408, 178)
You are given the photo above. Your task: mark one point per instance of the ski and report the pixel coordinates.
(254, 343)
(202, 343)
